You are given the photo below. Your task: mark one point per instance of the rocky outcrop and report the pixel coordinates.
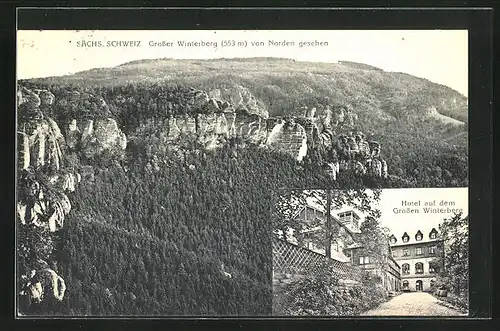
(40, 142)
(289, 137)
(42, 207)
(99, 136)
(46, 97)
(213, 130)
(45, 204)
(43, 185)
(217, 121)
(92, 138)
(43, 282)
(241, 99)
(39, 137)
(212, 118)
(360, 155)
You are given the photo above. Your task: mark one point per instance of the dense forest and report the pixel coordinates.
(143, 240)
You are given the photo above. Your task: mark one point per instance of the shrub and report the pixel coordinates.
(459, 302)
(321, 295)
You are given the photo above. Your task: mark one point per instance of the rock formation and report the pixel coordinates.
(102, 135)
(240, 98)
(213, 129)
(43, 185)
(43, 282)
(212, 120)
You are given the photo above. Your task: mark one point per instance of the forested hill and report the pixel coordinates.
(283, 84)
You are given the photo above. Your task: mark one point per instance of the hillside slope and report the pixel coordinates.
(283, 84)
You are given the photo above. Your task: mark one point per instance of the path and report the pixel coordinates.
(412, 304)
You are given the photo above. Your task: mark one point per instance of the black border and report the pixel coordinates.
(177, 18)
(479, 23)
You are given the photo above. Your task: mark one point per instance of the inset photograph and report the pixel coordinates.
(388, 252)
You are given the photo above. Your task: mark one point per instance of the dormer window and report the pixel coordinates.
(433, 234)
(393, 239)
(406, 238)
(418, 236)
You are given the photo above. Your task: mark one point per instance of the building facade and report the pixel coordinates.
(385, 267)
(416, 254)
(344, 247)
(313, 236)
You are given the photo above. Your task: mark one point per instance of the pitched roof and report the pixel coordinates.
(339, 256)
(355, 245)
(412, 237)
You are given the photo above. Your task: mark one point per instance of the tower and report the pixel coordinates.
(350, 219)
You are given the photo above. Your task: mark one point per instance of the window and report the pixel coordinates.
(419, 268)
(418, 251)
(364, 260)
(433, 235)
(394, 253)
(393, 240)
(419, 237)
(406, 252)
(405, 237)
(405, 284)
(432, 250)
(405, 268)
(431, 268)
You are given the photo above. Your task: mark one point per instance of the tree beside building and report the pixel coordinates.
(372, 253)
(454, 257)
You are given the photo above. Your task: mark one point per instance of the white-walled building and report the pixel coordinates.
(415, 253)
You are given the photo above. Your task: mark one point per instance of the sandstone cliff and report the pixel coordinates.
(44, 181)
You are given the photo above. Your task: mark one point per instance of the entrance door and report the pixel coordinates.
(419, 286)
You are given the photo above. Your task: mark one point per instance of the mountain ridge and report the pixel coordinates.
(263, 76)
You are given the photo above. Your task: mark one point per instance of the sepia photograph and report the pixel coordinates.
(365, 253)
(149, 164)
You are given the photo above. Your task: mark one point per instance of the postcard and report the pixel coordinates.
(149, 164)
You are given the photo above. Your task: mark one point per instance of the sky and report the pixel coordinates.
(440, 56)
(398, 222)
